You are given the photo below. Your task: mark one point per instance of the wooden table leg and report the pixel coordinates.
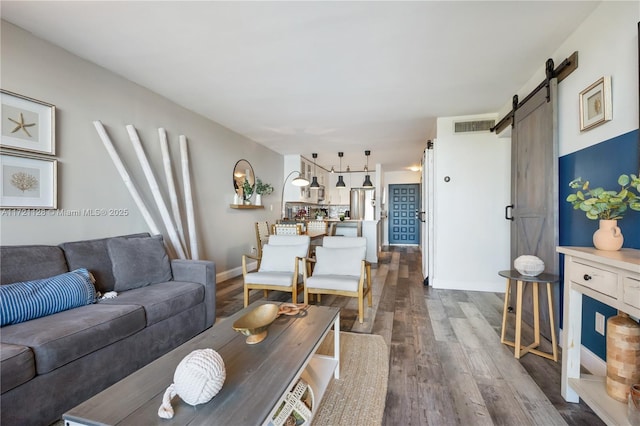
(518, 319)
(507, 293)
(554, 344)
(536, 316)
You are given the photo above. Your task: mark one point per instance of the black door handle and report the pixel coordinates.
(506, 212)
(420, 216)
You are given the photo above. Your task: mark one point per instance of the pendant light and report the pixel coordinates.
(367, 179)
(314, 181)
(340, 183)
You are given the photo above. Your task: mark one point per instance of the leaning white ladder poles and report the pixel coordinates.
(106, 140)
(155, 190)
(177, 241)
(171, 186)
(186, 178)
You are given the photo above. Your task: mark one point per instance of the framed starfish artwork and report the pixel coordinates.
(27, 124)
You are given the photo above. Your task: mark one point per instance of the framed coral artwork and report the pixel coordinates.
(27, 124)
(27, 182)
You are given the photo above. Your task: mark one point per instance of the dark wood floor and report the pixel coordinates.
(447, 365)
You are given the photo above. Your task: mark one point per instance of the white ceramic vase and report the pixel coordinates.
(608, 236)
(258, 200)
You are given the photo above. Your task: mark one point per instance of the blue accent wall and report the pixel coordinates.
(601, 165)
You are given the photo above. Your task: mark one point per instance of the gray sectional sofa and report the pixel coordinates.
(51, 363)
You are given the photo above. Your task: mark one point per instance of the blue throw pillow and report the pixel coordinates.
(27, 300)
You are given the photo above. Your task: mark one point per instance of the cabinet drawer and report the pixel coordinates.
(600, 280)
(631, 291)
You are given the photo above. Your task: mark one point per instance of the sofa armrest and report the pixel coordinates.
(201, 272)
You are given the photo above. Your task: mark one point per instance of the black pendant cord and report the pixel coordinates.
(561, 72)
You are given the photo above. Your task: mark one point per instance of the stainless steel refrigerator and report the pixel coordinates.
(362, 203)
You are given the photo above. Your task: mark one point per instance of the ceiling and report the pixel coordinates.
(304, 77)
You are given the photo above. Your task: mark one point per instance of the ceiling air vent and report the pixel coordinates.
(473, 126)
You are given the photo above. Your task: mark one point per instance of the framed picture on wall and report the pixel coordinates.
(595, 104)
(27, 124)
(28, 182)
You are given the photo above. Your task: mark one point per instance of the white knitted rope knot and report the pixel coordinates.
(197, 379)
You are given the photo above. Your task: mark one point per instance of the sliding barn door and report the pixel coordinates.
(534, 191)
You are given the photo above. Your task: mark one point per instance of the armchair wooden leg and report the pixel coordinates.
(266, 293)
(361, 308)
(306, 296)
(294, 293)
(246, 296)
(369, 289)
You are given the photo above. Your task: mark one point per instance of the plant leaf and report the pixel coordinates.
(623, 180)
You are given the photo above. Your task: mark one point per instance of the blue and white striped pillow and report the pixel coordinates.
(27, 300)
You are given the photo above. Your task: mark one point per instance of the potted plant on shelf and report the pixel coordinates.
(247, 191)
(262, 189)
(607, 206)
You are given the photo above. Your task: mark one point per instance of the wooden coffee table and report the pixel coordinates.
(257, 376)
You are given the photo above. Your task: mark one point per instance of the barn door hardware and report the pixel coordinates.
(561, 72)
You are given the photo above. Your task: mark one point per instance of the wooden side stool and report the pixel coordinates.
(521, 280)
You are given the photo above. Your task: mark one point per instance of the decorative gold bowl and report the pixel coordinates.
(255, 324)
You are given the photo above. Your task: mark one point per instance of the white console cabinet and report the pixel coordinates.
(613, 278)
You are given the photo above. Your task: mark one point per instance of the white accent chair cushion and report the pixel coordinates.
(288, 240)
(281, 258)
(282, 279)
(334, 282)
(344, 242)
(339, 261)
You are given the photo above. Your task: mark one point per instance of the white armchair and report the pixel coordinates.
(341, 269)
(279, 266)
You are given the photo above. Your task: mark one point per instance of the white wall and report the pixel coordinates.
(607, 44)
(83, 92)
(471, 234)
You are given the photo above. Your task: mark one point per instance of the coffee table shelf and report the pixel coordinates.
(318, 375)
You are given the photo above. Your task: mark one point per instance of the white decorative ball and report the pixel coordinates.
(197, 379)
(529, 265)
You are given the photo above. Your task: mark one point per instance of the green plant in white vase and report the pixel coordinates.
(262, 188)
(247, 191)
(607, 206)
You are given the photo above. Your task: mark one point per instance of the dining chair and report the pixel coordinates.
(279, 267)
(340, 269)
(315, 227)
(287, 229)
(262, 236)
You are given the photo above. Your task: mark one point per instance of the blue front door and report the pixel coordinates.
(404, 200)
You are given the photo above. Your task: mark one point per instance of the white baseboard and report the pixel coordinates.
(592, 362)
(235, 272)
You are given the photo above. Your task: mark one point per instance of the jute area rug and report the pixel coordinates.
(358, 397)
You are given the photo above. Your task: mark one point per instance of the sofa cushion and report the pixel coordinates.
(26, 263)
(93, 255)
(162, 300)
(27, 300)
(138, 262)
(60, 338)
(17, 366)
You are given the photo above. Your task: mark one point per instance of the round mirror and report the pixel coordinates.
(241, 172)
